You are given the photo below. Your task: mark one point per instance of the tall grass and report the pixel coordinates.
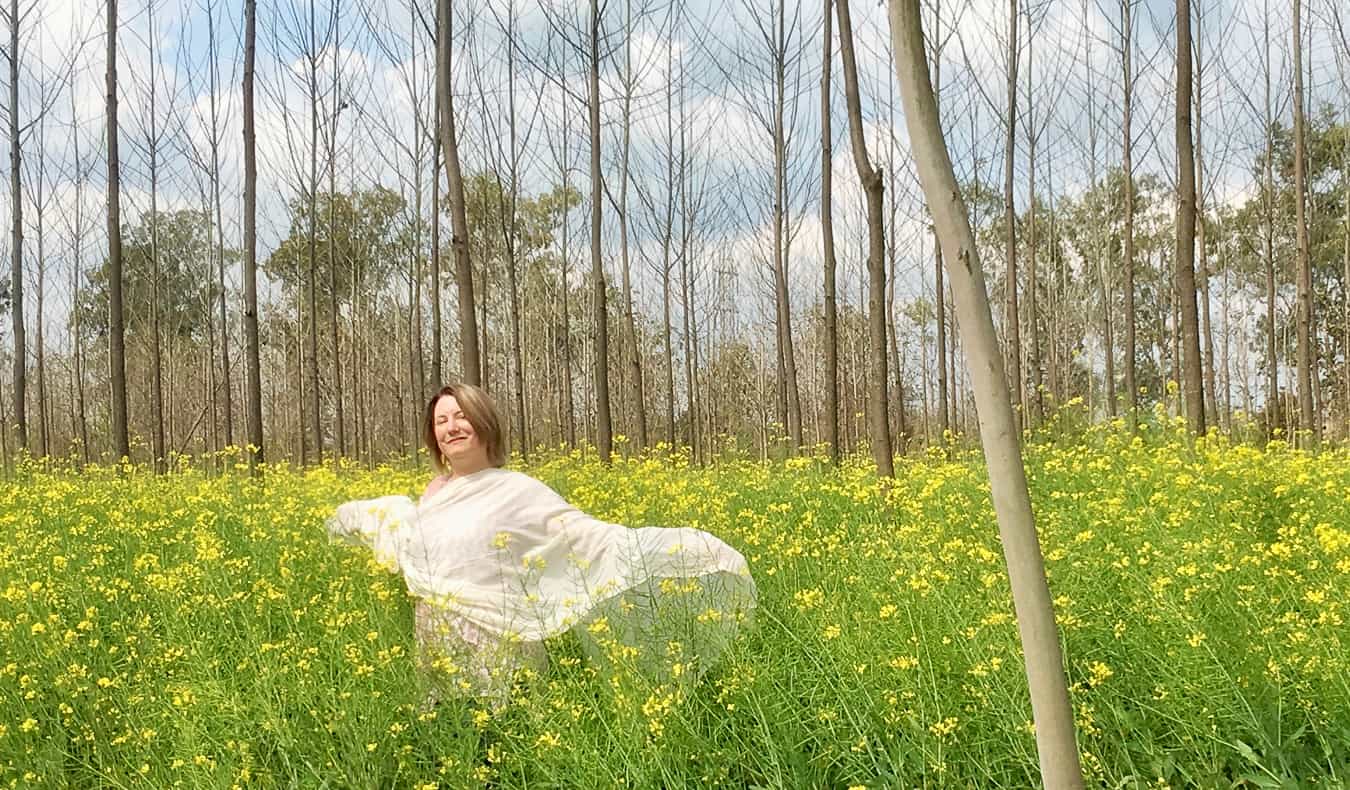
(200, 631)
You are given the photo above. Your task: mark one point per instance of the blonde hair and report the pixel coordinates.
(481, 413)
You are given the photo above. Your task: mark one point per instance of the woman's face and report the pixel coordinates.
(458, 441)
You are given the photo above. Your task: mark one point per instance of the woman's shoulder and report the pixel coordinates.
(524, 483)
(435, 485)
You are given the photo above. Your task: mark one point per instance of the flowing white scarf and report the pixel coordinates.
(509, 555)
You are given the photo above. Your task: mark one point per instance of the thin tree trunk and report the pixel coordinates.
(252, 369)
(226, 389)
(1185, 228)
(604, 439)
(340, 423)
(1273, 415)
(1127, 165)
(1012, 319)
(1202, 263)
(116, 329)
(630, 325)
(16, 209)
(879, 433)
(1052, 713)
(827, 239)
(470, 364)
(1305, 348)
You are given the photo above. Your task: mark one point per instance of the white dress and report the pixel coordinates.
(500, 562)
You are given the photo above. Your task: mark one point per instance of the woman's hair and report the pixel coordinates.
(482, 414)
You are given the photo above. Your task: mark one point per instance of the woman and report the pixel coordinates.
(499, 562)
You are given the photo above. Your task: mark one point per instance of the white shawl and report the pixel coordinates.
(508, 554)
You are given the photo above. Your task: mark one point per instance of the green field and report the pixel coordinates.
(202, 631)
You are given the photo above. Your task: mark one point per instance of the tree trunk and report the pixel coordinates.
(16, 241)
(827, 239)
(1127, 165)
(879, 431)
(1185, 228)
(1012, 319)
(340, 421)
(252, 369)
(1273, 416)
(604, 439)
(470, 364)
(116, 330)
(630, 325)
(219, 251)
(1202, 263)
(792, 394)
(1305, 348)
(1052, 714)
(940, 302)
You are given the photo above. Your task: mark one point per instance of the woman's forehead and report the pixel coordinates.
(447, 405)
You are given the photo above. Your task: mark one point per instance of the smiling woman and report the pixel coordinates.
(499, 562)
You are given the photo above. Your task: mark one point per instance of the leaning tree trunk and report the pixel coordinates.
(1052, 714)
(1185, 227)
(877, 419)
(117, 350)
(470, 365)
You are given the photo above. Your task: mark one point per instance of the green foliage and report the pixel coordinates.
(185, 243)
(371, 237)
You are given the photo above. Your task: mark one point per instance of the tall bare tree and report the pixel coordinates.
(604, 439)
(1127, 166)
(470, 365)
(1012, 317)
(20, 393)
(827, 241)
(252, 367)
(116, 328)
(879, 432)
(1185, 226)
(1051, 710)
(1306, 363)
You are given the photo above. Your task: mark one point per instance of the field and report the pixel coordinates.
(202, 631)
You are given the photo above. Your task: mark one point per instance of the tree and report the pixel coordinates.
(879, 434)
(16, 240)
(827, 242)
(1052, 714)
(116, 332)
(1304, 272)
(252, 369)
(604, 440)
(470, 364)
(1185, 226)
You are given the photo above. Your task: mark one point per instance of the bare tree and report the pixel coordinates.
(879, 434)
(116, 330)
(470, 364)
(827, 239)
(16, 238)
(252, 369)
(1185, 226)
(1304, 347)
(604, 440)
(1052, 713)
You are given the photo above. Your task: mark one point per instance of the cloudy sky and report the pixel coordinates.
(701, 77)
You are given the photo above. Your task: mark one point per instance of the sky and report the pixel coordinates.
(713, 51)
